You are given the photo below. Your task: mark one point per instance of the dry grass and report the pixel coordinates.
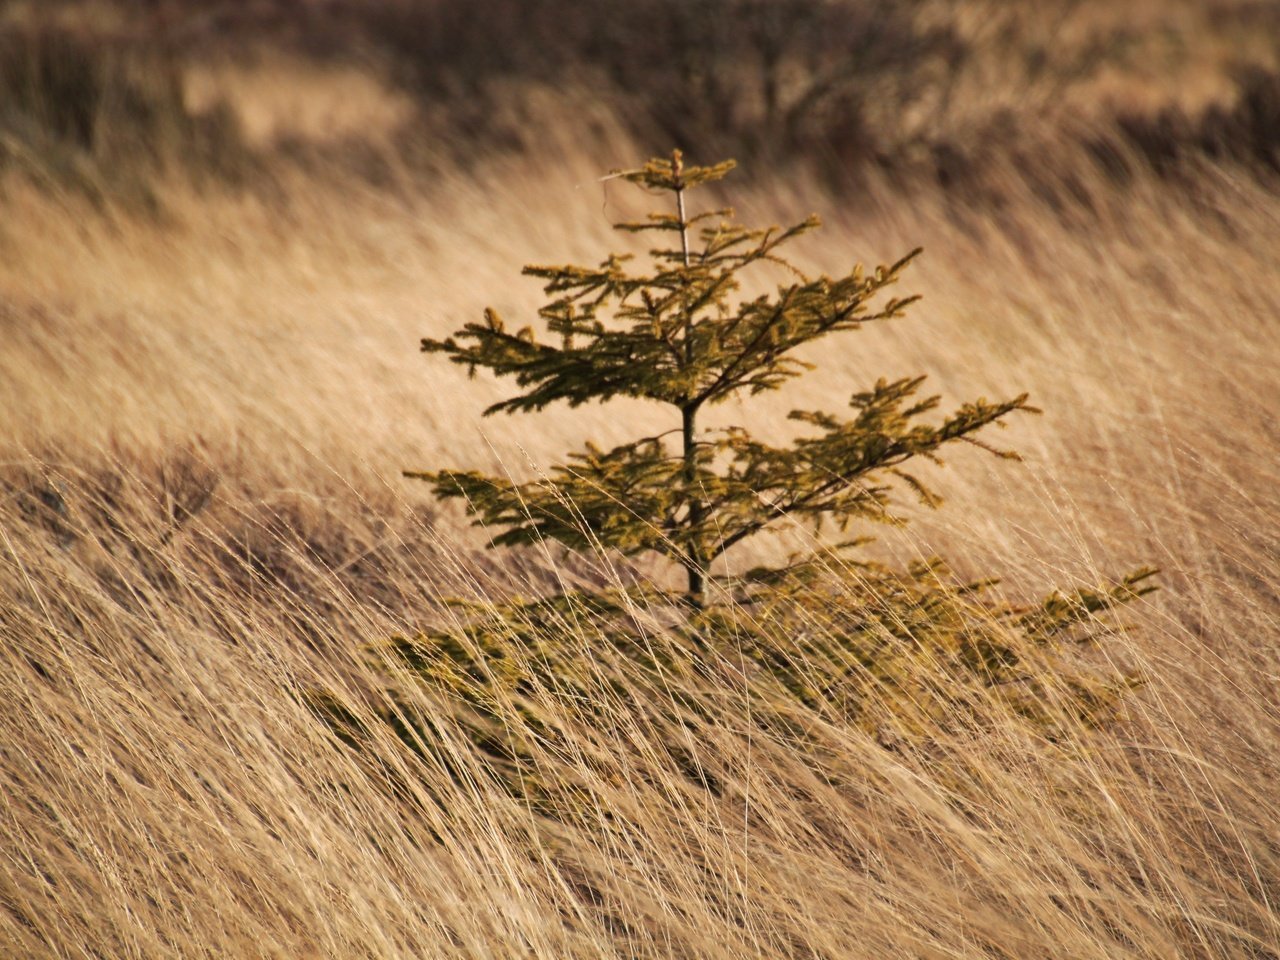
(201, 519)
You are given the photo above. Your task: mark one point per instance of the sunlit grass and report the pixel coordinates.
(203, 419)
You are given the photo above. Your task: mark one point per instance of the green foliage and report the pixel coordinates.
(676, 334)
(899, 654)
(902, 656)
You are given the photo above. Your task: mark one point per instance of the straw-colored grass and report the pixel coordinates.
(202, 426)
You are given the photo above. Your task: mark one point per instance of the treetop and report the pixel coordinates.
(671, 173)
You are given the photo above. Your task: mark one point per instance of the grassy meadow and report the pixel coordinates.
(224, 230)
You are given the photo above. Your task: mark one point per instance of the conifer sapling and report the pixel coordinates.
(911, 651)
(677, 333)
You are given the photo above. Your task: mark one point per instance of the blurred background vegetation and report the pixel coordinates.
(953, 91)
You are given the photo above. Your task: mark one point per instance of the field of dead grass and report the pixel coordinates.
(203, 419)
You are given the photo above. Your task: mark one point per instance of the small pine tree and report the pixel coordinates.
(910, 652)
(675, 334)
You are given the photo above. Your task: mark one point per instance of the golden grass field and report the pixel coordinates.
(204, 415)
